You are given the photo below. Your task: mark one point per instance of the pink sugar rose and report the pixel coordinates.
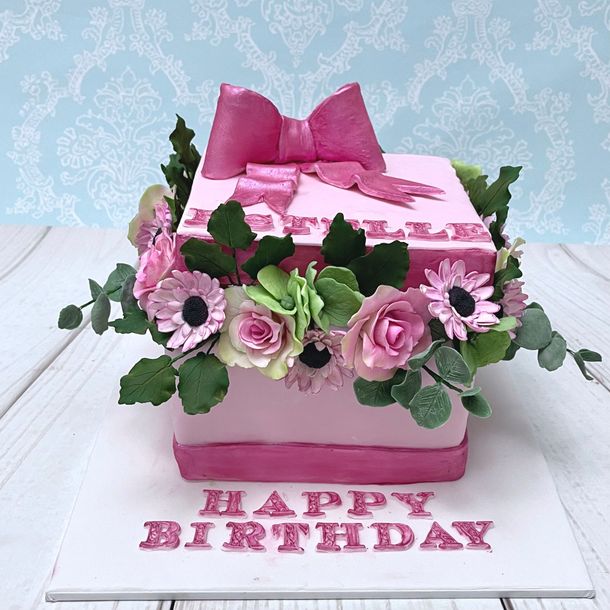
(390, 326)
(156, 264)
(254, 336)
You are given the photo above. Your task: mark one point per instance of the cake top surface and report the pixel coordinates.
(448, 219)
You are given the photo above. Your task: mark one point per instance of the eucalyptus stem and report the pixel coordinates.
(439, 379)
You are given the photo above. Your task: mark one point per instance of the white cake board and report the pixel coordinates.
(132, 478)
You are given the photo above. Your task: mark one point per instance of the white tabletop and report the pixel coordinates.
(54, 385)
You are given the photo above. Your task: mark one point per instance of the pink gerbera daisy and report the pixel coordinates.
(459, 300)
(319, 364)
(191, 305)
(149, 229)
(513, 301)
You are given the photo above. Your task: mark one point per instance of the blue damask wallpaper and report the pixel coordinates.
(89, 90)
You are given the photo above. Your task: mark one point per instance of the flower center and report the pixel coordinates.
(462, 301)
(195, 311)
(314, 358)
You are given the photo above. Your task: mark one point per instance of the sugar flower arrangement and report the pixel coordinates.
(349, 320)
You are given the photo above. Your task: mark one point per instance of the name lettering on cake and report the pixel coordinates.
(298, 531)
(374, 229)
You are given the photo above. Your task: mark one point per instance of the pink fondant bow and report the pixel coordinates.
(336, 141)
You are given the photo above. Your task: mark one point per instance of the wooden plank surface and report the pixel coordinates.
(55, 385)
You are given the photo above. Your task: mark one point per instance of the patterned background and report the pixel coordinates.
(89, 89)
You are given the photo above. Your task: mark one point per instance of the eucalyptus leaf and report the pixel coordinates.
(404, 392)
(115, 280)
(417, 361)
(227, 225)
(451, 366)
(431, 406)
(512, 350)
(343, 243)
(150, 380)
(100, 314)
(552, 356)
(203, 383)
(535, 330)
(377, 393)
(70, 317)
(386, 264)
(207, 258)
(589, 355)
(270, 251)
(582, 366)
(340, 302)
(95, 289)
(128, 301)
(474, 402)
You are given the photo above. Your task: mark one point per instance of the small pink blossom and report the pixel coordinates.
(513, 301)
(390, 326)
(150, 229)
(155, 265)
(153, 214)
(459, 300)
(189, 304)
(320, 364)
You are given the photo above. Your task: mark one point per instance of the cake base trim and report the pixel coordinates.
(318, 463)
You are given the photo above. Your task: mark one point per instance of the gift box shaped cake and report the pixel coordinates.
(323, 308)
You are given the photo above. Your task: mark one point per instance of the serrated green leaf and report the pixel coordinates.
(157, 336)
(451, 366)
(377, 393)
(115, 280)
(340, 302)
(552, 356)
(501, 277)
(207, 258)
(465, 172)
(128, 301)
(95, 289)
(484, 349)
(506, 323)
(70, 317)
(497, 195)
(181, 139)
(589, 355)
(100, 314)
(134, 321)
(431, 406)
(386, 264)
(342, 275)
(227, 225)
(404, 392)
(343, 243)
(535, 331)
(150, 380)
(417, 361)
(474, 402)
(203, 383)
(270, 251)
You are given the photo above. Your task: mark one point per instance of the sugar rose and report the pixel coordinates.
(390, 326)
(255, 336)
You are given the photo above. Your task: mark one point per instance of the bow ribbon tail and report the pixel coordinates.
(346, 174)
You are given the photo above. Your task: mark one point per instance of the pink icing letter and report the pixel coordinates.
(245, 536)
(384, 540)
(438, 538)
(416, 502)
(291, 533)
(275, 507)
(470, 531)
(314, 502)
(378, 229)
(199, 219)
(329, 535)
(260, 222)
(468, 231)
(299, 225)
(215, 497)
(361, 504)
(200, 539)
(161, 535)
(421, 230)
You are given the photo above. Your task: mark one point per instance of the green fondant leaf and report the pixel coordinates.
(386, 263)
(506, 323)
(342, 275)
(228, 227)
(150, 380)
(271, 251)
(552, 356)
(274, 280)
(510, 272)
(343, 243)
(377, 393)
(465, 172)
(128, 301)
(95, 289)
(134, 321)
(203, 383)
(484, 349)
(496, 196)
(437, 330)
(181, 139)
(589, 355)
(259, 295)
(100, 314)
(116, 279)
(582, 366)
(404, 392)
(512, 350)
(451, 366)
(70, 317)
(535, 330)
(431, 406)
(475, 403)
(340, 302)
(416, 362)
(207, 258)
